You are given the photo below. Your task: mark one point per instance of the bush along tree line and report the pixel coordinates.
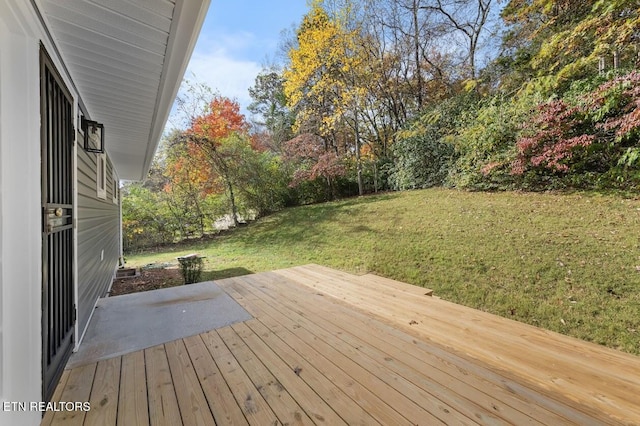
(375, 95)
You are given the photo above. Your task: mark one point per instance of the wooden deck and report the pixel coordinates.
(326, 347)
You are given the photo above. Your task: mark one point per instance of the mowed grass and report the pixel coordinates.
(567, 263)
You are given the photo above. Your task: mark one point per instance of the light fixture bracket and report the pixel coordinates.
(93, 136)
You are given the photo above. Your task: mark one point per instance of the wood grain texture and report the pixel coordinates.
(327, 347)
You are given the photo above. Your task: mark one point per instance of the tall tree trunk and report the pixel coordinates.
(375, 176)
(416, 52)
(358, 159)
(232, 199)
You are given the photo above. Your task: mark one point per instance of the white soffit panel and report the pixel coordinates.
(127, 59)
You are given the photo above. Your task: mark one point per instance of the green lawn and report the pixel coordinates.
(568, 263)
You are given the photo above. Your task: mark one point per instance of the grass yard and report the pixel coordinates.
(568, 263)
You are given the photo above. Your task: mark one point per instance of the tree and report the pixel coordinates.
(567, 39)
(467, 17)
(270, 108)
(212, 135)
(314, 161)
(324, 82)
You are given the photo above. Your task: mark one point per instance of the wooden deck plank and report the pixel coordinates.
(255, 408)
(457, 332)
(133, 407)
(330, 391)
(505, 344)
(293, 378)
(77, 388)
(163, 403)
(383, 285)
(365, 371)
(445, 382)
(392, 287)
(403, 345)
(194, 408)
(224, 407)
(104, 393)
(370, 403)
(554, 341)
(591, 354)
(448, 368)
(328, 347)
(57, 394)
(450, 391)
(441, 311)
(270, 387)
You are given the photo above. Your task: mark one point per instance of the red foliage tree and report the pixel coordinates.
(555, 131)
(609, 115)
(315, 160)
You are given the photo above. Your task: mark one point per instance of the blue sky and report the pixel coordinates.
(238, 37)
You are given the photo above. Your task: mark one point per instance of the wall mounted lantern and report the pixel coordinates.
(93, 136)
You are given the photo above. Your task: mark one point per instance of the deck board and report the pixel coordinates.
(328, 347)
(570, 368)
(57, 395)
(223, 405)
(193, 404)
(132, 403)
(351, 364)
(469, 390)
(248, 397)
(376, 373)
(163, 403)
(288, 378)
(77, 389)
(104, 393)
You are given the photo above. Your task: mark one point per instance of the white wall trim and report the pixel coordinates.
(101, 176)
(20, 207)
(21, 34)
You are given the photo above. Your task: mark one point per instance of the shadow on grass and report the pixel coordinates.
(224, 273)
(301, 223)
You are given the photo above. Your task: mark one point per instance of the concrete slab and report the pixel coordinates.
(128, 323)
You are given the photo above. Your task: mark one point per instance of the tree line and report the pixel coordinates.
(374, 95)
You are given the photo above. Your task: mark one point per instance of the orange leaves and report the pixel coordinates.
(190, 161)
(222, 118)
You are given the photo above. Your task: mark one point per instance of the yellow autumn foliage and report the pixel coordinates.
(323, 82)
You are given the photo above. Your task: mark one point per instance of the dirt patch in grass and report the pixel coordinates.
(149, 279)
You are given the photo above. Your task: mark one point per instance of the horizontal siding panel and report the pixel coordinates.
(98, 229)
(78, 54)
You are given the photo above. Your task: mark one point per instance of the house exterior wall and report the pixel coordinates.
(97, 220)
(98, 241)
(20, 222)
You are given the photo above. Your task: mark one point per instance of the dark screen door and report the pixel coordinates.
(58, 312)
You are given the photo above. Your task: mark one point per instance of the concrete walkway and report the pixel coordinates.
(128, 323)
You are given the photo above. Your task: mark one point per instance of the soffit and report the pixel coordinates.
(126, 59)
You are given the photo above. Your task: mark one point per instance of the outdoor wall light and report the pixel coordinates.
(93, 136)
